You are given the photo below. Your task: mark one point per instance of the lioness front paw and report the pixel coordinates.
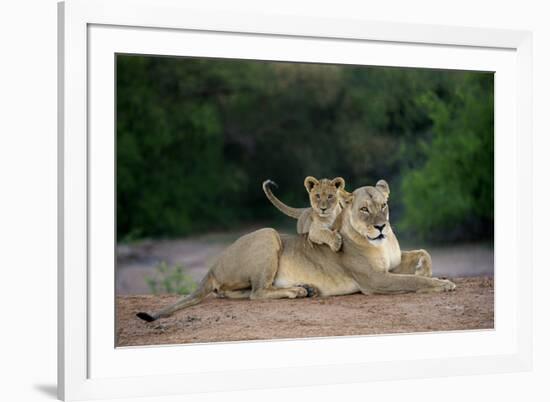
(446, 285)
(336, 244)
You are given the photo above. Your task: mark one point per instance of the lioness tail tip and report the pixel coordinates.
(146, 317)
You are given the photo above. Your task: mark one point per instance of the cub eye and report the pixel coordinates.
(365, 209)
(330, 196)
(385, 206)
(318, 196)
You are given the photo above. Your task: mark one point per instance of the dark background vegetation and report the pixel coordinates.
(196, 138)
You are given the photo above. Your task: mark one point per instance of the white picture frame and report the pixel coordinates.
(91, 32)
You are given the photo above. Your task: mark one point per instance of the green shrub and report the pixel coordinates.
(169, 279)
(451, 195)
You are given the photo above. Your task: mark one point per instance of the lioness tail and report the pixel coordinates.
(204, 289)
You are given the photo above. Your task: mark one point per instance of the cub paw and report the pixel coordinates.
(336, 244)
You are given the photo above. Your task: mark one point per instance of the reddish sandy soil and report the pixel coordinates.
(471, 306)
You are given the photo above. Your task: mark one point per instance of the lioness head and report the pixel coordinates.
(370, 214)
(323, 194)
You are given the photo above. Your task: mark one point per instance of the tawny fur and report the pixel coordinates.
(264, 264)
(320, 220)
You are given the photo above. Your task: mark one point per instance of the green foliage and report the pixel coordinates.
(171, 173)
(453, 191)
(196, 138)
(169, 279)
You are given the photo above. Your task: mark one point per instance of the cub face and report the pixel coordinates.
(370, 214)
(324, 194)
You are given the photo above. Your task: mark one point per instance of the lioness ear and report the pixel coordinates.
(339, 183)
(310, 182)
(383, 186)
(347, 198)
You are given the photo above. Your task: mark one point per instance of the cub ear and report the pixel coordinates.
(383, 186)
(339, 183)
(310, 182)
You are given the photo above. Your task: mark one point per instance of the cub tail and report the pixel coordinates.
(281, 206)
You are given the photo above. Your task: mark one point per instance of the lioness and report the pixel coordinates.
(320, 220)
(266, 265)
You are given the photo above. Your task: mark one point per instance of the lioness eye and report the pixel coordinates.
(329, 196)
(384, 206)
(318, 196)
(365, 209)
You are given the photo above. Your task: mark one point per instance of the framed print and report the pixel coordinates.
(177, 248)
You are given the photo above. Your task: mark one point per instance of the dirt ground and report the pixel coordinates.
(471, 306)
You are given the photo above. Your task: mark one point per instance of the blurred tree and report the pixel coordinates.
(171, 173)
(196, 137)
(451, 195)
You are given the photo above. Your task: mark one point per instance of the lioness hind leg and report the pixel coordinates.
(262, 282)
(234, 294)
(312, 291)
(279, 293)
(414, 262)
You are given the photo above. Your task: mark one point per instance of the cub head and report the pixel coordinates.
(369, 212)
(324, 194)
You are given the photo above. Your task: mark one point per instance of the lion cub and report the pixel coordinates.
(320, 220)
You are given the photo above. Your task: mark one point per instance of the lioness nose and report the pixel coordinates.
(380, 227)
